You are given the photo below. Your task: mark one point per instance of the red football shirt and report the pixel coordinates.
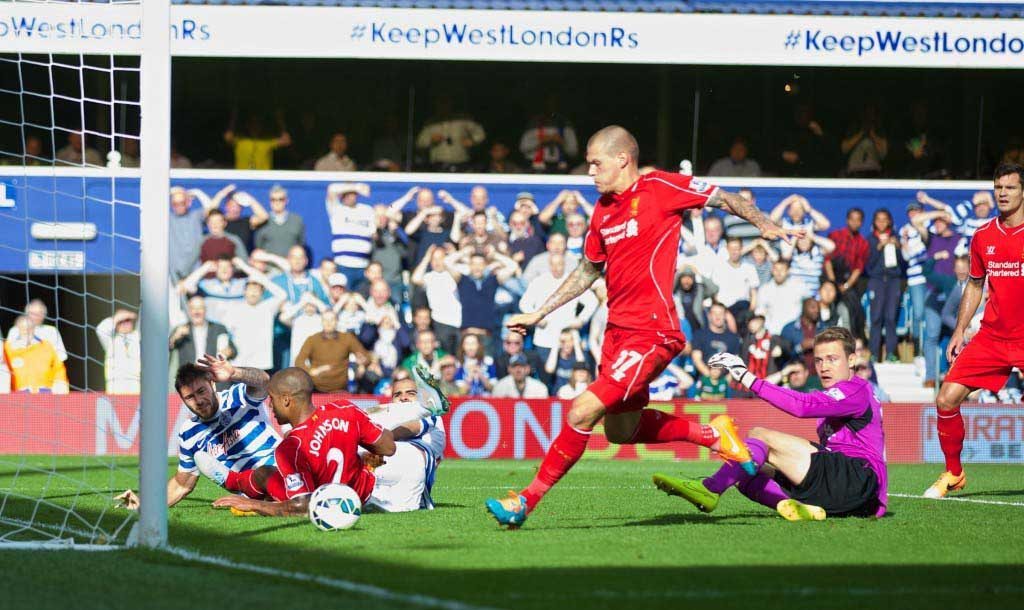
(997, 253)
(636, 235)
(324, 450)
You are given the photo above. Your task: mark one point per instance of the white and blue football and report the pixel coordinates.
(334, 507)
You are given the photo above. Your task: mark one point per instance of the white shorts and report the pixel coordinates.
(401, 481)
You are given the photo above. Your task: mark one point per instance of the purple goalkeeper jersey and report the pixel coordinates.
(849, 422)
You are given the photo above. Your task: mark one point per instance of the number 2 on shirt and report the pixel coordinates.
(626, 360)
(335, 455)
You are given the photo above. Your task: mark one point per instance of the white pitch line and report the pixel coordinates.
(423, 601)
(968, 500)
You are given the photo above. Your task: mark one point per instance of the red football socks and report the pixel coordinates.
(951, 438)
(660, 427)
(243, 482)
(565, 451)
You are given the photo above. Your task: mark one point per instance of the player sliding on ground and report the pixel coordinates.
(228, 438)
(997, 254)
(339, 443)
(843, 474)
(633, 238)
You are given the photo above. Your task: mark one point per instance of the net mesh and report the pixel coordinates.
(69, 293)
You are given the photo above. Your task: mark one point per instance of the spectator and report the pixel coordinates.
(379, 305)
(796, 212)
(833, 311)
(442, 294)
(1013, 153)
(576, 230)
(781, 300)
(796, 376)
(353, 226)
(427, 230)
(761, 256)
(129, 153)
(476, 374)
(560, 362)
(178, 160)
(712, 385)
(599, 322)
(388, 149)
(737, 282)
(690, 296)
(448, 138)
(549, 143)
(185, 230)
(449, 367)
(351, 312)
(325, 355)
(518, 383)
(760, 348)
(714, 237)
(392, 342)
(800, 333)
(477, 288)
(219, 244)
(427, 353)
(555, 214)
(323, 274)
(940, 276)
(807, 260)
(499, 162)
(34, 364)
(371, 274)
(715, 339)
(885, 277)
(421, 319)
(255, 149)
(251, 320)
(336, 160)
(480, 240)
(284, 230)
(951, 308)
(805, 149)
(217, 291)
(512, 345)
(968, 216)
(36, 312)
(579, 379)
(303, 319)
(864, 371)
(523, 241)
(123, 361)
(390, 250)
(736, 164)
(845, 266)
(479, 202)
(34, 156)
(573, 315)
(865, 146)
(244, 228)
(924, 153)
(673, 383)
(541, 264)
(77, 153)
(199, 336)
(913, 246)
(295, 278)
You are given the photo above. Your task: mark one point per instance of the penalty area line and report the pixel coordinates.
(967, 500)
(416, 599)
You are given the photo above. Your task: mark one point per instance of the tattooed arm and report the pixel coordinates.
(289, 508)
(255, 380)
(585, 274)
(739, 206)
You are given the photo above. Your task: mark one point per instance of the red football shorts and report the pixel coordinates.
(986, 362)
(630, 360)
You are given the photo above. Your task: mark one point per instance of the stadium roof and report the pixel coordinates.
(880, 8)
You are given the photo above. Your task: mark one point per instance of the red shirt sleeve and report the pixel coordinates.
(294, 469)
(369, 432)
(977, 263)
(593, 245)
(676, 192)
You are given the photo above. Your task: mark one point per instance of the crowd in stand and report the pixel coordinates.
(427, 279)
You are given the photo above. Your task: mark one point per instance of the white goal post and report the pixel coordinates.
(121, 51)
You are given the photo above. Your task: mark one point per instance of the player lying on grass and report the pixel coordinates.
(228, 436)
(842, 474)
(633, 241)
(328, 444)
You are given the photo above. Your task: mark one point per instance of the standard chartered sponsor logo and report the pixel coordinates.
(1004, 268)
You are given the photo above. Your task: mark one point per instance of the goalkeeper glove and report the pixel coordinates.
(736, 367)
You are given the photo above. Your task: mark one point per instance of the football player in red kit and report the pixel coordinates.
(322, 447)
(997, 254)
(633, 240)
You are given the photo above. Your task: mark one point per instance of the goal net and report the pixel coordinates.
(75, 289)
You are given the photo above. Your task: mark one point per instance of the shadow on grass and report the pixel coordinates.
(991, 493)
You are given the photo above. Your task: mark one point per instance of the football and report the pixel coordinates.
(334, 507)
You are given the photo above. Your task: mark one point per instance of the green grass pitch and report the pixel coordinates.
(604, 538)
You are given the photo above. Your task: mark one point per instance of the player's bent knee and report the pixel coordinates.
(950, 397)
(759, 433)
(585, 414)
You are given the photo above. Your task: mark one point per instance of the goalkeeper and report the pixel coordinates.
(842, 474)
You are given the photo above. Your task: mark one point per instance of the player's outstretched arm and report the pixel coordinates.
(738, 206)
(180, 486)
(297, 506)
(969, 303)
(255, 380)
(578, 282)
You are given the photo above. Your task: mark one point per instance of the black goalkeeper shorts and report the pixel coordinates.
(842, 485)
